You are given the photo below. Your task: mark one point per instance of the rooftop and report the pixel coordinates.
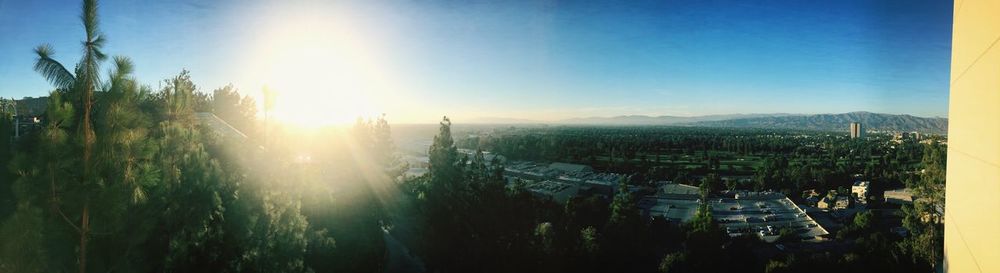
(220, 126)
(673, 188)
(568, 167)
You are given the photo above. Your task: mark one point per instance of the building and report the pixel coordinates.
(825, 203)
(557, 191)
(811, 197)
(570, 168)
(842, 202)
(756, 195)
(675, 210)
(673, 190)
(900, 137)
(834, 203)
(898, 196)
(857, 130)
(971, 224)
(860, 190)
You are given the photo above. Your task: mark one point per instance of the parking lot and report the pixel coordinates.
(764, 217)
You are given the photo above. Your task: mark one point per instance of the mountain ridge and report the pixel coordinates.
(821, 122)
(659, 120)
(840, 122)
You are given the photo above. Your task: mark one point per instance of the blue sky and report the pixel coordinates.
(540, 60)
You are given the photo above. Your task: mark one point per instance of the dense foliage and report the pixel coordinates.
(122, 178)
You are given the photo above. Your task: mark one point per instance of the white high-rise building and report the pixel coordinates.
(857, 130)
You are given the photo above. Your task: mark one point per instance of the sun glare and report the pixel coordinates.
(321, 72)
(318, 86)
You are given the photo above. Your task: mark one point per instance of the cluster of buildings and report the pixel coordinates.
(899, 137)
(562, 181)
(840, 205)
(859, 195)
(836, 201)
(558, 180)
(857, 130)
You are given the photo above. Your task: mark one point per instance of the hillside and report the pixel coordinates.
(658, 120)
(838, 122)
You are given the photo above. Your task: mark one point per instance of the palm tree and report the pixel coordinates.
(84, 83)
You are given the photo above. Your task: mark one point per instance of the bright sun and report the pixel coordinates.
(317, 85)
(321, 73)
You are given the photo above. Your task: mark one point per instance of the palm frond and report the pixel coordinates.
(89, 18)
(99, 41)
(92, 58)
(95, 48)
(51, 70)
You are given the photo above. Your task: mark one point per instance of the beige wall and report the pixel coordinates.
(972, 216)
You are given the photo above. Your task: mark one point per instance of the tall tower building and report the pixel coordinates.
(857, 131)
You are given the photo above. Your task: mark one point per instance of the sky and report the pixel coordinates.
(416, 61)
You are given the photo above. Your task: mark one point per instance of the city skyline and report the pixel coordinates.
(539, 60)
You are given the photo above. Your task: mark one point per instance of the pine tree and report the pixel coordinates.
(446, 200)
(623, 207)
(625, 231)
(444, 167)
(41, 237)
(82, 88)
(240, 112)
(384, 150)
(7, 143)
(924, 218)
(106, 138)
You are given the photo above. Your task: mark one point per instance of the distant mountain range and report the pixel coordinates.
(839, 122)
(502, 120)
(820, 122)
(660, 120)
